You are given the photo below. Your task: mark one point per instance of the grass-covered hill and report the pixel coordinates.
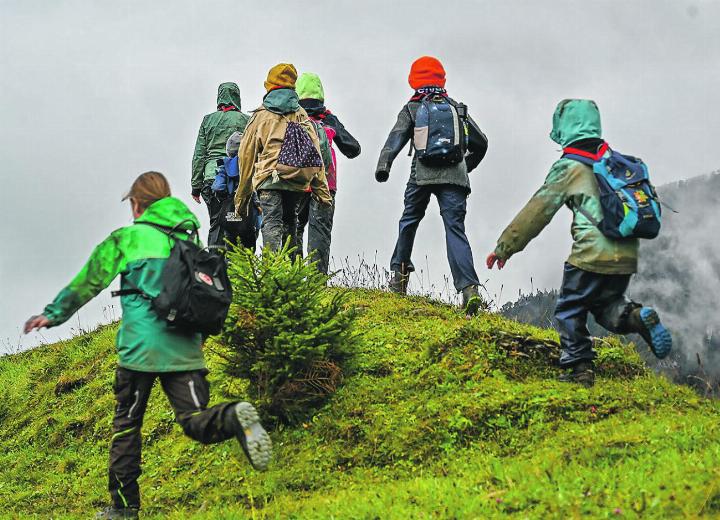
(437, 417)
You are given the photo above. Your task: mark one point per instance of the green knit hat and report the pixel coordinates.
(309, 86)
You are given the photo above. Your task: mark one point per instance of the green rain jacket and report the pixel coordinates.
(138, 253)
(214, 132)
(572, 184)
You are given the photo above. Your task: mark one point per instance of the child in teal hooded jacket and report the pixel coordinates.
(599, 268)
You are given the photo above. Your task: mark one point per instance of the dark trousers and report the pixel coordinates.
(453, 207)
(188, 393)
(319, 219)
(584, 292)
(215, 236)
(280, 209)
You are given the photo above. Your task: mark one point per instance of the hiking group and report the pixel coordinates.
(275, 173)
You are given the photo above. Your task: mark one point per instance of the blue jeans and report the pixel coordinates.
(452, 200)
(582, 292)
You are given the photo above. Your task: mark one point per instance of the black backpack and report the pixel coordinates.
(196, 291)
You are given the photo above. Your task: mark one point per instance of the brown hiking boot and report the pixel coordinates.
(398, 282)
(471, 300)
(582, 373)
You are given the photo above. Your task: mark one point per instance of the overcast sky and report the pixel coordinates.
(94, 93)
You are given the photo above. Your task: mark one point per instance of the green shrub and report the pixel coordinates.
(286, 333)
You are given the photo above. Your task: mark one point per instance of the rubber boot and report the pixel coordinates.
(582, 373)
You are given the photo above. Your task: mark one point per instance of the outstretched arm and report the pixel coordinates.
(536, 214)
(105, 263)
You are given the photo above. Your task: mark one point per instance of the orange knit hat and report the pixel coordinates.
(282, 75)
(426, 72)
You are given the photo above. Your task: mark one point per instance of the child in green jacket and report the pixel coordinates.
(148, 348)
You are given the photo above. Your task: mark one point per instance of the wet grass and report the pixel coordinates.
(437, 417)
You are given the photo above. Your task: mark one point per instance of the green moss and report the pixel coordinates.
(438, 416)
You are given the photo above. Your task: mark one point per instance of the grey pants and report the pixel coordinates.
(279, 217)
(319, 219)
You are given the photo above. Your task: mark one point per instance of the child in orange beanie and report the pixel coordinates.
(448, 145)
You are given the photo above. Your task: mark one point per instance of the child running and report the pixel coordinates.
(148, 348)
(599, 269)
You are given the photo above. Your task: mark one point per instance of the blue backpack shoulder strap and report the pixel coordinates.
(579, 158)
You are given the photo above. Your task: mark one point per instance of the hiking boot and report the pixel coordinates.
(646, 322)
(398, 282)
(471, 300)
(112, 512)
(253, 438)
(582, 373)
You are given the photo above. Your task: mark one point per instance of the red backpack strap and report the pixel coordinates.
(582, 153)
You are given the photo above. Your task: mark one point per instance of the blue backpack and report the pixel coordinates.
(440, 137)
(227, 176)
(629, 202)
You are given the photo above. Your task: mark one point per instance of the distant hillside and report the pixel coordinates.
(437, 417)
(679, 275)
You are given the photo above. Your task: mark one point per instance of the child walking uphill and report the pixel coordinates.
(148, 348)
(319, 217)
(280, 158)
(598, 271)
(448, 145)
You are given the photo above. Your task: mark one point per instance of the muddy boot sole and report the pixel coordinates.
(654, 333)
(253, 438)
(114, 513)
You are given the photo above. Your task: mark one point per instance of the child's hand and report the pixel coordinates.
(36, 322)
(492, 259)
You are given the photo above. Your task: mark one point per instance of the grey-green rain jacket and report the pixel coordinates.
(214, 132)
(572, 184)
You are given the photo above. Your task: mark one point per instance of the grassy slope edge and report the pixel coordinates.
(438, 417)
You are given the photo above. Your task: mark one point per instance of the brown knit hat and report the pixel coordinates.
(282, 75)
